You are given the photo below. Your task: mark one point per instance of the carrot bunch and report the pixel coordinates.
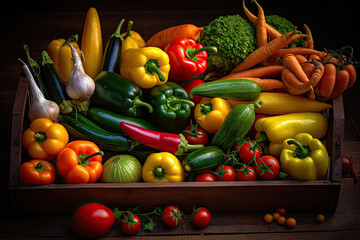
(301, 70)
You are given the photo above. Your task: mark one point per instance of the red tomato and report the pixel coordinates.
(247, 151)
(171, 216)
(195, 134)
(267, 167)
(92, 220)
(225, 173)
(131, 224)
(196, 99)
(205, 177)
(201, 218)
(246, 174)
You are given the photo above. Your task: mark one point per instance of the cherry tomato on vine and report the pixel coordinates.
(267, 167)
(246, 173)
(248, 151)
(195, 134)
(205, 177)
(201, 217)
(130, 224)
(225, 173)
(171, 216)
(92, 220)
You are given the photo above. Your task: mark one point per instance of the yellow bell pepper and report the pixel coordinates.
(210, 113)
(146, 67)
(91, 43)
(278, 128)
(162, 167)
(44, 139)
(60, 53)
(304, 157)
(132, 39)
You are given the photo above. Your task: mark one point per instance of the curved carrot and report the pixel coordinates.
(294, 85)
(317, 73)
(341, 83)
(261, 54)
(162, 38)
(352, 74)
(295, 51)
(268, 83)
(308, 68)
(327, 82)
(301, 58)
(269, 71)
(293, 65)
(261, 34)
(309, 41)
(271, 32)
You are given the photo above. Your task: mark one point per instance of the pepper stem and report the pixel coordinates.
(40, 137)
(206, 108)
(129, 26)
(159, 172)
(263, 139)
(192, 52)
(152, 67)
(84, 159)
(176, 101)
(138, 102)
(39, 167)
(301, 151)
(72, 38)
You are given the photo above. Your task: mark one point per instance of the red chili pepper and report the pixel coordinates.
(187, 59)
(169, 142)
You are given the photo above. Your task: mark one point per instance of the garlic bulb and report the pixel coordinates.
(80, 87)
(39, 106)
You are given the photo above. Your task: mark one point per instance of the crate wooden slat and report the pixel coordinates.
(62, 199)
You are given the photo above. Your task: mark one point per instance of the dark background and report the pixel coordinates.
(334, 24)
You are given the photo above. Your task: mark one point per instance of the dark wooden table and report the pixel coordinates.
(38, 23)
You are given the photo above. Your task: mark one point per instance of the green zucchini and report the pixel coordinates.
(110, 121)
(203, 159)
(234, 89)
(55, 86)
(235, 126)
(114, 142)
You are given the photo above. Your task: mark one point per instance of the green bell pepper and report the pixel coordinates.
(171, 104)
(119, 95)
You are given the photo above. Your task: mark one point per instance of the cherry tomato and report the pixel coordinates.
(92, 220)
(248, 151)
(195, 134)
(246, 173)
(281, 211)
(268, 218)
(171, 216)
(201, 218)
(290, 222)
(130, 224)
(320, 218)
(276, 216)
(205, 177)
(225, 173)
(195, 98)
(267, 167)
(281, 220)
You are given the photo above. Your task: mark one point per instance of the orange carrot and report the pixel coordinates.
(269, 71)
(352, 74)
(308, 68)
(327, 82)
(261, 54)
(301, 58)
(293, 65)
(295, 86)
(309, 41)
(261, 34)
(271, 32)
(341, 83)
(296, 50)
(268, 83)
(162, 38)
(317, 73)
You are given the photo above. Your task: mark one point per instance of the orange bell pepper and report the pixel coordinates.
(37, 172)
(80, 162)
(44, 139)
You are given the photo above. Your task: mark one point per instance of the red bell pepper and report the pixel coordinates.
(187, 59)
(169, 142)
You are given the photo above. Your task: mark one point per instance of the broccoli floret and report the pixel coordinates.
(283, 25)
(235, 39)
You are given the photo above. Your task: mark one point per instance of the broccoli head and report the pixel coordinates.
(235, 39)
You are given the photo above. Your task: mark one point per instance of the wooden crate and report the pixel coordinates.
(236, 196)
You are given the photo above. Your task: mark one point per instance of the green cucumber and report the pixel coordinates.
(235, 126)
(110, 121)
(203, 159)
(234, 89)
(114, 142)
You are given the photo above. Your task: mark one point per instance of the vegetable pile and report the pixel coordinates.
(236, 100)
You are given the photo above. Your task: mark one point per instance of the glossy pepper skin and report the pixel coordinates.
(188, 59)
(44, 139)
(304, 157)
(37, 172)
(80, 162)
(119, 95)
(278, 128)
(162, 167)
(60, 53)
(210, 113)
(146, 67)
(171, 104)
(132, 39)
